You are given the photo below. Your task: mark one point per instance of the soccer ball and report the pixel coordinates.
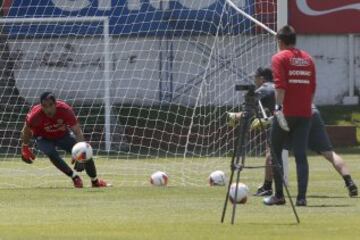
(242, 193)
(82, 152)
(217, 178)
(159, 179)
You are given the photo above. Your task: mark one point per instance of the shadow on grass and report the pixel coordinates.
(330, 206)
(327, 197)
(272, 224)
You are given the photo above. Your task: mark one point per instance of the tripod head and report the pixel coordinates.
(250, 105)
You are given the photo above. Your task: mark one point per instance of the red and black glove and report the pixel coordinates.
(26, 154)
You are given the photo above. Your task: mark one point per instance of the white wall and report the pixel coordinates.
(74, 68)
(331, 55)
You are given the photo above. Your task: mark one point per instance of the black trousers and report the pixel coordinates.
(48, 147)
(299, 134)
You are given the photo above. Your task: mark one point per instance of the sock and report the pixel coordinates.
(90, 169)
(267, 185)
(74, 175)
(348, 180)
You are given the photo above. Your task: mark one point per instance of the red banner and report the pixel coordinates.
(326, 17)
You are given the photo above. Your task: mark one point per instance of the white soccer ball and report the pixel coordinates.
(159, 179)
(242, 193)
(217, 178)
(82, 152)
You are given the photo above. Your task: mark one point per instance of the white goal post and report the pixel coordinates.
(146, 84)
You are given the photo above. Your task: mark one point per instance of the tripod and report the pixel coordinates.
(250, 110)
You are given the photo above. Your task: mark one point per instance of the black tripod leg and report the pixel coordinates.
(234, 161)
(236, 193)
(239, 168)
(278, 168)
(227, 194)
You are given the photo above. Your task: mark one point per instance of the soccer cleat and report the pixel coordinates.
(98, 183)
(273, 200)
(262, 192)
(353, 190)
(78, 183)
(301, 202)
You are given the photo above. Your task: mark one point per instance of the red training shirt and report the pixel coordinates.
(294, 71)
(51, 128)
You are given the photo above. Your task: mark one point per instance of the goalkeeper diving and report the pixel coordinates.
(52, 123)
(319, 141)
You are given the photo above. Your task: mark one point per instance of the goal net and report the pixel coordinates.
(150, 81)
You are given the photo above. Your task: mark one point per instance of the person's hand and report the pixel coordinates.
(26, 154)
(233, 118)
(256, 123)
(281, 118)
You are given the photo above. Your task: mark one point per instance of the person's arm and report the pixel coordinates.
(78, 132)
(26, 135)
(73, 123)
(26, 154)
(279, 79)
(280, 89)
(279, 96)
(76, 129)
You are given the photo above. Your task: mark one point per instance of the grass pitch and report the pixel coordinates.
(47, 207)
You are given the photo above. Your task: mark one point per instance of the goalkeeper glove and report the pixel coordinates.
(281, 118)
(256, 123)
(26, 154)
(233, 118)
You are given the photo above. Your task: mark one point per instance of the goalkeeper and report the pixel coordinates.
(318, 138)
(53, 124)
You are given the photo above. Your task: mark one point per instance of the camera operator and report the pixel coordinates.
(319, 141)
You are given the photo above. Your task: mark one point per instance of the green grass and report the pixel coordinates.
(38, 203)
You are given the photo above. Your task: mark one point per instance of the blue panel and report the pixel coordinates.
(177, 20)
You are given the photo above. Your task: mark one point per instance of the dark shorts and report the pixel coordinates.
(48, 146)
(319, 140)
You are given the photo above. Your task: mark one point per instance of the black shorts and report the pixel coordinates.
(319, 140)
(48, 147)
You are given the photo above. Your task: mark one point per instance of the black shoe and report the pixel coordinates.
(353, 190)
(261, 191)
(273, 200)
(301, 202)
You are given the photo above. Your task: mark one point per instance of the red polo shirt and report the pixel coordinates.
(294, 71)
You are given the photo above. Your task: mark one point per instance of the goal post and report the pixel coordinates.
(282, 13)
(151, 82)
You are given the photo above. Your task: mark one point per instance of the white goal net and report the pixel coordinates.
(150, 81)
